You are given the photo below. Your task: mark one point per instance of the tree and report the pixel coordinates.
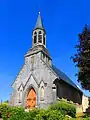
(82, 58)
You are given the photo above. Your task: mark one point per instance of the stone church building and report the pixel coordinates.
(39, 83)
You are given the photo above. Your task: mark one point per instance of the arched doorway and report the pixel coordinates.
(31, 99)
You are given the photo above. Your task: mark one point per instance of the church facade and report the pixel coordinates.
(39, 83)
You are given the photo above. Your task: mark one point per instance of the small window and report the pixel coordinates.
(35, 37)
(44, 39)
(20, 96)
(43, 56)
(42, 93)
(40, 37)
(39, 32)
(32, 59)
(35, 33)
(48, 59)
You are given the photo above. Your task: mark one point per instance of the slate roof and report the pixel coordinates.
(64, 77)
(39, 23)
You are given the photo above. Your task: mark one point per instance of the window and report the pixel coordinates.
(40, 37)
(35, 37)
(32, 59)
(44, 39)
(40, 32)
(47, 60)
(42, 93)
(20, 96)
(43, 56)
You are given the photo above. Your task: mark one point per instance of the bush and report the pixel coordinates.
(8, 112)
(3, 110)
(49, 115)
(55, 115)
(42, 115)
(19, 114)
(54, 112)
(64, 108)
(34, 112)
(15, 113)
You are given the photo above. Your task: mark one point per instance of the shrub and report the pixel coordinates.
(20, 114)
(15, 113)
(42, 115)
(54, 115)
(34, 112)
(49, 115)
(64, 108)
(56, 111)
(3, 109)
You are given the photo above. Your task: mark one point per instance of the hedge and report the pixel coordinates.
(64, 107)
(59, 111)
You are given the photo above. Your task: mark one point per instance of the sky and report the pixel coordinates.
(63, 21)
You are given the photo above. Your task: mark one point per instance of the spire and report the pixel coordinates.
(39, 23)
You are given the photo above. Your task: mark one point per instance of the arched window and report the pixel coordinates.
(40, 32)
(20, 96)
(42, 93)
(35, 37)
(44, 39)
(40, 37)
(32, 59)
(43, 56)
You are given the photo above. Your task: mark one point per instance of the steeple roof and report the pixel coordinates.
(39, 23)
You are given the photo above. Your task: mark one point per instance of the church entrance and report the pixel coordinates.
(31, 99)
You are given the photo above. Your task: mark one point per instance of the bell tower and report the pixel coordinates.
(39, 43)
(39, 34)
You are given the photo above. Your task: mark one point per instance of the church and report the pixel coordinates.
(39, 83)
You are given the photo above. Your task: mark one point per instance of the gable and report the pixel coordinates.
(21, 86)
(18, 77)
(31, 81)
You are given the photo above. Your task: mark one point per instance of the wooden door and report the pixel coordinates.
(31, 99)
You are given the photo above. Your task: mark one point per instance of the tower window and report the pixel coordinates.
(40, 37)
(32, 59)
(35, 37)
(44, 39)
(40, 32)
(43, 56)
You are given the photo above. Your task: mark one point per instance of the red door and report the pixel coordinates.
(31, 99)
